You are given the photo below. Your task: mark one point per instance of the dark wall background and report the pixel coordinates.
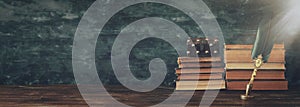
(36, 38)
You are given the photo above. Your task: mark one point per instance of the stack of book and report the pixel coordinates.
(239, 68)
(203, 68)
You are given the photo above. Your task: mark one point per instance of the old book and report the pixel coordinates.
(260, 75)
(201, 51)
(249, 47)
(265, 66)
(199, 76)
(200, 85)
(211, 87)
(257, 85)
(202, 40)
(200, 65)
(245, 56)
(199, 59)
(199, 70)
(203, 47)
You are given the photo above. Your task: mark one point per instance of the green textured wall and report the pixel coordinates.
(36, 38)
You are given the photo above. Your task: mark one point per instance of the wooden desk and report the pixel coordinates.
(68, 95)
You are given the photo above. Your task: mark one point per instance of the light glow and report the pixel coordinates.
(288, 22)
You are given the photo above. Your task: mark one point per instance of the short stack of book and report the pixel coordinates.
(203, 68)
(239, 68)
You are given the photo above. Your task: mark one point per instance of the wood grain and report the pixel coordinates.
(69, 96)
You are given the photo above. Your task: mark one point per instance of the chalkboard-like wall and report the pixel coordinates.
(36, 38)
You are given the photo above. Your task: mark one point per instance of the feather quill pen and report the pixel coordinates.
(264, 40)
(262, 47)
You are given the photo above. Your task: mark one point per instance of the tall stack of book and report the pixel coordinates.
(203, 68)
(239, 68)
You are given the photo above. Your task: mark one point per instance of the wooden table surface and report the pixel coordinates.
(68, 95)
